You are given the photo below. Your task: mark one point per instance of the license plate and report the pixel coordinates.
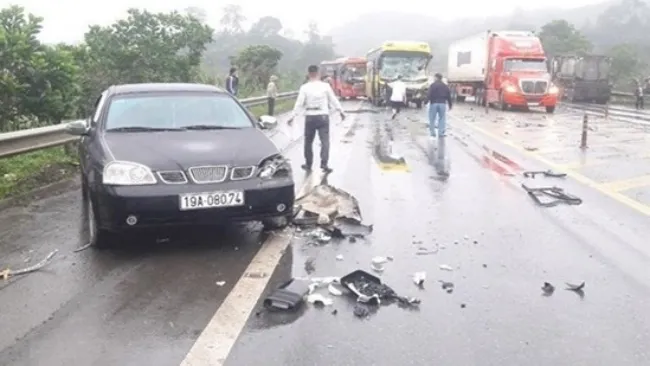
(197, 201)
(533, 104)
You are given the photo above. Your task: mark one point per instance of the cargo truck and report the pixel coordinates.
(504, 69)
(582, 78)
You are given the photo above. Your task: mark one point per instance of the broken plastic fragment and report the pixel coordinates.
(323, 219)
(379, 260)
(445, 267)
(334, 291)
(339, 257)
(377, 267)
(318, 299)
(220, 283)
(548, 289)
(419, 277)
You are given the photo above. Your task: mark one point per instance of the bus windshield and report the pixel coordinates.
(353, 72)
(411, 66)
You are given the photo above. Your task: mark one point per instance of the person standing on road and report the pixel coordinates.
(439, 97)
(232, 82)
(315, 98)
(397, 95)
(639, 95)
(272, 93)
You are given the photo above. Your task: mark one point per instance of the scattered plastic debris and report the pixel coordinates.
(289, 296)
(548, 289)
(546, 173)
(447, 286)
(5, 274)
(558, 195)
(572, 287)
(220, 283)
(319, 300)
(418, 278)
(369, 289)
(331, 288)
(339, 257)
(361, 311)
(377, 264)
(83, 247)
(445, 267)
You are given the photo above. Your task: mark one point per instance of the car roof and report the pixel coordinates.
(162, 87)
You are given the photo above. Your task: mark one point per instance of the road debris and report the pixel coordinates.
(418, 278)
(220, 283)
(377, 264)
(339, 257)
(289, 296)
(445, 267)
(545, 173)
(83, 247)
(319, 300)
(557, 193)
(7, 273)
(447, 286)
(369, 289)
(332, 289)
(548, 289)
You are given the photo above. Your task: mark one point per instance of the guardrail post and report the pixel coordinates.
(585, 128)
(607, 109)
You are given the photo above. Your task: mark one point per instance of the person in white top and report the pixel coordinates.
(315, 99)
(398, 95)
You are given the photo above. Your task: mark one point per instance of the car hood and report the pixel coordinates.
(183, 149)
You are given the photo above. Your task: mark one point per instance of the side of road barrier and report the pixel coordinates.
(24, 141)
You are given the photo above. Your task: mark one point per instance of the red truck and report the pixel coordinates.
(506, 69)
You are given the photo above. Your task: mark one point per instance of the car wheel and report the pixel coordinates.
(97, 237)
(276, 223)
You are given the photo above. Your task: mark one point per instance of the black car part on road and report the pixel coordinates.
(557, 195)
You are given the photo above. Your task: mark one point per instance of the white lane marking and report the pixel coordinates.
(219, 336)
(214, 344)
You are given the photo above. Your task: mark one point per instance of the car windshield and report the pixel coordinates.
(525, 65)
(179, 111)
(410, 67)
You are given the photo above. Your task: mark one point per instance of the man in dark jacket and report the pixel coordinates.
(232, 82)
(439, 97)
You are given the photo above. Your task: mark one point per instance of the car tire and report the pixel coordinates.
(98, 238)
(550, 109)
(276, 223)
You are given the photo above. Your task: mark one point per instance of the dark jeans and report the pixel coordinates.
(271, 106)
(320, 124)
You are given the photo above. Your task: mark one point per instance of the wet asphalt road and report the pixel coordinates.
(148, 303)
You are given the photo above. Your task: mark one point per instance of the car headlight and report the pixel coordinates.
(126, 173)
(275, 167)
(553, 89)
(510, 89)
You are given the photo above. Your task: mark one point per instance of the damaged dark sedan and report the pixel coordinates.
(157, 155)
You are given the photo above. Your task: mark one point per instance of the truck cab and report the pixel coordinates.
(517, 73)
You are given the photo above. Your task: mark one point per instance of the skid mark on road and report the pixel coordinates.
(619, 197)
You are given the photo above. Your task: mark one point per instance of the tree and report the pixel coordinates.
(148, 47)
(266, 27)
(198, 13)
(626, 64)
(258, 63)
(561, 37)
(312, 32)
(232, 19)
(35, 80)
(627, 21)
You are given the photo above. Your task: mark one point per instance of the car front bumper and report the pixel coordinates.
(159, 205)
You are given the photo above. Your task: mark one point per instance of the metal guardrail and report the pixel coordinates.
(24, 141)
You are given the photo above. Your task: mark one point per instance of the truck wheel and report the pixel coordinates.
(418, 104)
(460, 98)
(550, 109)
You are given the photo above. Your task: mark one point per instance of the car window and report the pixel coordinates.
(175, 111)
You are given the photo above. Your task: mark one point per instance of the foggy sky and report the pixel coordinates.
(67, 20)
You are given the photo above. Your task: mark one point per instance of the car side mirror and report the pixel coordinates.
(267, 122)
(77, 128)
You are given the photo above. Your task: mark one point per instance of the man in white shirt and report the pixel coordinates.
(315, 98)
(397, 96)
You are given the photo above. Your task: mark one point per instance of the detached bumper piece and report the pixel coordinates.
(551, 196)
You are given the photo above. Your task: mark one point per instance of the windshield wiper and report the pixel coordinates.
(210, 127)
(140, 129)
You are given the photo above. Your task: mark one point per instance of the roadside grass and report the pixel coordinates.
(23, 173)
